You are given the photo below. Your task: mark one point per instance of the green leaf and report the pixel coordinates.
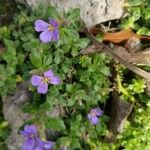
(144, 31)
(136, 13)
(4, 33)
(30, 108)
(47, 60)
(51, 12)
(73, 14)
(82, 43)
(46, 11)
(58, 56)
(147, 14)
(55, 123)
(137, 86)
(21, 58)
(47, 106)
(75, 143)
(36, 59)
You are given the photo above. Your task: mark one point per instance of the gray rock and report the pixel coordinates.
(118, 111)
(92, 11)
(14, 115)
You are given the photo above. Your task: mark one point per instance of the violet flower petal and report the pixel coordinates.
(55, 35)
(53, 23)
(28, 144)
(46, 36)
(49, 73)
(90, 116)
(24, 133)
(42, 88)
(49, 145)
(39, 142)
(94, 120)
(31, 129)
(97, 111)
(36, 80)
(38, 148)
(40, 25)
(55, 80)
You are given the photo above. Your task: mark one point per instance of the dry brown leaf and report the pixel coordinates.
(94, 30)
(124, 35)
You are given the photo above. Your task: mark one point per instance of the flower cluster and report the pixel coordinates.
(32, 141)
(94, 114)
(49, 32)
(41, 82)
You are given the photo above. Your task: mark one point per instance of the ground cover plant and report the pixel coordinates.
(69, 91)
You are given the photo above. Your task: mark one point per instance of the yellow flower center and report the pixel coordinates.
(51, 28)
(93, 113)
(45, 80)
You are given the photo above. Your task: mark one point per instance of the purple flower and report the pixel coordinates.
(32, 141)
(49, 30)
(94, 114)
(42, 82)
(48, 145)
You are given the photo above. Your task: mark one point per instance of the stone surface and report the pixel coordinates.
(14, 115)
(118, 111)
(92, 11)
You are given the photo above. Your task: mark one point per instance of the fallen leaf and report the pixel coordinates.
(94, 30)
(124, 35)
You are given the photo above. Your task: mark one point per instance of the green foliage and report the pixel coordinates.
(4, 133)
(55, 123)
(84, 79)
(137, 133)
(138, 15)
(137, 86)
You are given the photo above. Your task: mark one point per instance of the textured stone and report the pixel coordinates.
(92, 11)
(118, 111)
(14, 115)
